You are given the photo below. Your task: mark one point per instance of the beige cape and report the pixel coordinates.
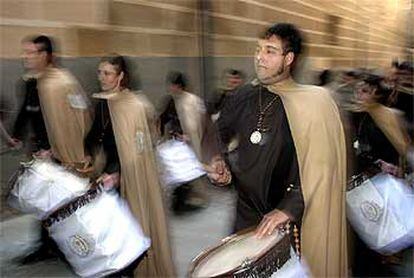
(131, 118)
(319, 139)
(195, 123)
(67, 115)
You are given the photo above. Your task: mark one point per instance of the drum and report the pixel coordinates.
(244, 255)
(178, 162)
(381, 210)
(41, 186)
(97, 233)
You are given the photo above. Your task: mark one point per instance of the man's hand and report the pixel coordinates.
(389, 168)
(43, 154)
(218, 172)
(109, 181)
(15, 143)
(270, 222)
(182, 137)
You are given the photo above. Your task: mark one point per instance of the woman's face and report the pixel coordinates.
(108, 76)
(365, 93)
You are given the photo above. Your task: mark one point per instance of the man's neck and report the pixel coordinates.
(281, 80)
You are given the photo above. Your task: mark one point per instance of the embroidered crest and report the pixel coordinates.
(81, 245)
(140, 141)
(371, 211)
(77, 101)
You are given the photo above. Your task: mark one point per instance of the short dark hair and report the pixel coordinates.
(120, 66)
(383, 91)
(235, 72)
(406, 66)
(46, 44)
(177, 78)
(351, 73)
(290, 36)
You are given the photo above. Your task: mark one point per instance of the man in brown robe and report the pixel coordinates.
(129, 119)
(64, 105)
(66, 115)
(290, 163)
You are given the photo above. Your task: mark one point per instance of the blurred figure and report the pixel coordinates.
(380, 136)
(185, 119)
(64, 104)
(124, 127)
(66, 116)
(233, 79)
(30, 122)
(400, 78)
(345, 93)
(381, 143)
(290, 170)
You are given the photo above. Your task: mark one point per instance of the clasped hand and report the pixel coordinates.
(218, 172)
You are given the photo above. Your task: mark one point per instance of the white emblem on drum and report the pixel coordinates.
(140, 141)
(371, 211)
(81, 245)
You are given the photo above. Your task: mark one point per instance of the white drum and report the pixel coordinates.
(97, 233)
(42, 186)
(178, 163)
(381, 211)
(244, 255)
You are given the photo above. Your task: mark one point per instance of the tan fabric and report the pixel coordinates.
(319, 139)
(131, 118)
(190, 111)
(67, 125)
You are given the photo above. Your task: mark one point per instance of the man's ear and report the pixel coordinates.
(121, 76)
(289, 58)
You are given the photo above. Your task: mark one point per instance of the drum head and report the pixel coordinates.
(232, 254)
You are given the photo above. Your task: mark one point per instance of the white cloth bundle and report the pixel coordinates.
(44, 186)
(381, 210)
(293, 268)
(179, 163)
(100, 237)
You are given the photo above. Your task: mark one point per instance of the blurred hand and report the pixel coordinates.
(270, 222)
(43, 154)
(110, 181)
(15, 143)
(389, 168)
(218, 172)
(182, 137)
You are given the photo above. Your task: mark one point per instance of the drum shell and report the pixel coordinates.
(262, 265)
(101, 237)
(178, 162)
(381, 212)
(43, 186)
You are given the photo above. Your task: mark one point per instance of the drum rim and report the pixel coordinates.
(204, 254)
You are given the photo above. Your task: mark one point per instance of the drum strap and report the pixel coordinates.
(67, 210)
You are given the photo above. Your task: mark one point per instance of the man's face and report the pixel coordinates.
(33, 59)
(365, 93)
(233, 81)
(108, 76)
(271, 63)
